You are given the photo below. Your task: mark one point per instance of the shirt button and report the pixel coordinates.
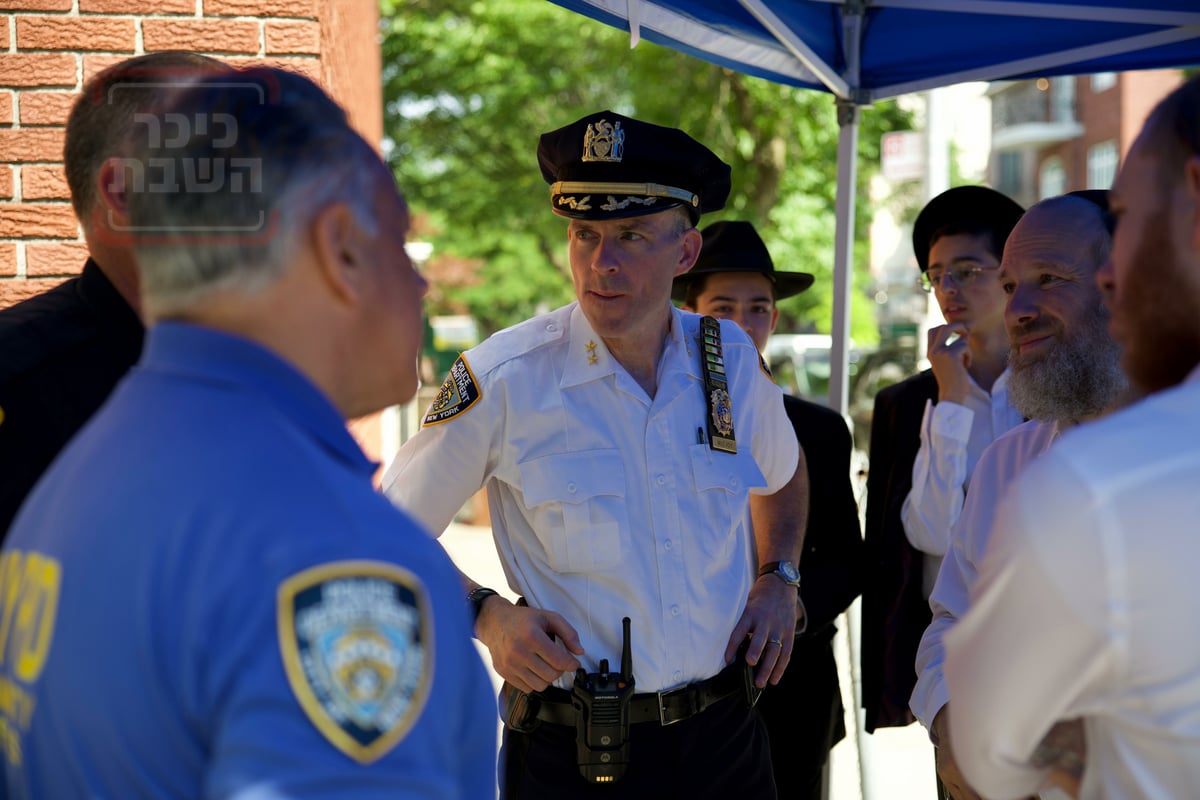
(674, 611)
(661, 479)
(571, 487)
(551, 327)
(733, 481)
(667, 545)
(677, 676)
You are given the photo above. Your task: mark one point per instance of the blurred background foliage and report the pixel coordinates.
(469, 85)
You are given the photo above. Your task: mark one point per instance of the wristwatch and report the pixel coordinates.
(784, 570)
(476, 597)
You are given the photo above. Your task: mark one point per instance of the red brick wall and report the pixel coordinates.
(1140, 93)
(48, 48)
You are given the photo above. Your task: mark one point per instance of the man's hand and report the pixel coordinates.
(1064, 751)
(949, 358)
(947, 768)
(770, 622)
(521, 641)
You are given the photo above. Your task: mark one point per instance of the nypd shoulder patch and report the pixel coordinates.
(356, 639)
(458, 393)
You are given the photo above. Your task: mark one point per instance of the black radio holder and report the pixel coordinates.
(601, 700)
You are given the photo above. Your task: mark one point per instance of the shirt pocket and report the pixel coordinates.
(722, 482)
(577, 507)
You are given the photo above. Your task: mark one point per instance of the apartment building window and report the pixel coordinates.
(1052, 178)
(1062, 99)
(1102, 165)
(1008, 172)
(1102, 81)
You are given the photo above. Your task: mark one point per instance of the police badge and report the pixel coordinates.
(357, 646)
(716, 387)
(604, 141)
(722, 412)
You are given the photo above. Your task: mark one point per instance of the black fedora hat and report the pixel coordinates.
(967, 206)
(734, 246)
(608, 166)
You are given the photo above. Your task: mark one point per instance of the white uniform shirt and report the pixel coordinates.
(953, 437)
(999, 465)
(604, 502)
(1086, 606)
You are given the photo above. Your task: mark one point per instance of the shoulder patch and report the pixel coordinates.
(458, 393)
(357, 645)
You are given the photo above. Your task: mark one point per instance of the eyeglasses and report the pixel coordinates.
(963, 276)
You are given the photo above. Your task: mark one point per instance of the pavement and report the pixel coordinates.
(890, 764)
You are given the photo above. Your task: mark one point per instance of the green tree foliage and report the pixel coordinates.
(469, 85)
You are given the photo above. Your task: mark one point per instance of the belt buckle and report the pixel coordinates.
(662, 705)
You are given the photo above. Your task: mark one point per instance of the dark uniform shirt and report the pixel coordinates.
(61, 354)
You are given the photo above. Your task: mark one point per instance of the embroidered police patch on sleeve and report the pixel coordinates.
(357, 645)
(458, 393)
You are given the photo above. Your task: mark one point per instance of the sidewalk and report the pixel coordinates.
(891, 764)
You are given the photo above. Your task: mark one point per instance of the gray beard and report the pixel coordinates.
(1079, 377)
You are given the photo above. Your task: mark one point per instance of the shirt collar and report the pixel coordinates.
(588, 358)
(99, 293)
(213, 356)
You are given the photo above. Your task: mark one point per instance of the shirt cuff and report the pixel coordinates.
(951, 421)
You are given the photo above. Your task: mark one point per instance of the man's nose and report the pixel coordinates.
(1021, 306)
(1106, 280)
(604, 256)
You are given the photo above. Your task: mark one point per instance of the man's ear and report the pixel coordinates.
(338, 250)
(689, 250)
(1191, 180)
(110, 212)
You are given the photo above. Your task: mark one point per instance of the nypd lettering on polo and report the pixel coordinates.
(356, 641)
(458, 393)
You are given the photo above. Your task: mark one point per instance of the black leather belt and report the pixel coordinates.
(665, 708)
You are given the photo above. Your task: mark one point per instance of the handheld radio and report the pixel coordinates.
(601, 700)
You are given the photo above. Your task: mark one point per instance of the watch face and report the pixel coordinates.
(789, 572)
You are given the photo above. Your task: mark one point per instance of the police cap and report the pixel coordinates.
(607, 166)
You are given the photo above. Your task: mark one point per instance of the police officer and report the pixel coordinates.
(65, 349)
(735, 278)
(205, 595)
(621, 447)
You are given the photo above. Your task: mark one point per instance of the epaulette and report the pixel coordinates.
(463, 386)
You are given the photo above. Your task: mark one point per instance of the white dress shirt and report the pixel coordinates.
(1086, 606)
(1000, 463)
(953, 437)
(604, 502)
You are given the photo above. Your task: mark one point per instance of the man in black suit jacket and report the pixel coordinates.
(65, 349)
(735, 278)
(966, 228)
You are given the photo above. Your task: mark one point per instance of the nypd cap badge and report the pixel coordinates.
(458, 393)
(357, 646)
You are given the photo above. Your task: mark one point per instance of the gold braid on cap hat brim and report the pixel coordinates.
(644, 189)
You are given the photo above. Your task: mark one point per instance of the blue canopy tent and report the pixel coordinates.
(867, 50)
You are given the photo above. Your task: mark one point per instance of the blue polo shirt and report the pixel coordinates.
(206, 597)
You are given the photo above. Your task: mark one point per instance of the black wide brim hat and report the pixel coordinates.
(734, 246)
(963, 205)
(608, 166)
